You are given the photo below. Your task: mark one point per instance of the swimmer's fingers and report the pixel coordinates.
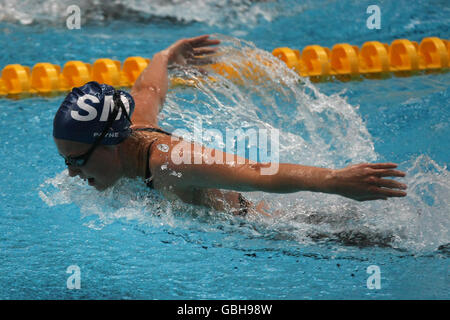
(200, 61)
(191, 51)
(382, 194)
(388, 192)
(388, 173)
(387, 165)
(202, 56)
(387, 183)
(364, 181)
(203, 41)
(203, 51)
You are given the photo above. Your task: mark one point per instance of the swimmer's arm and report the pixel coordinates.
(150, 89)
(359, 182)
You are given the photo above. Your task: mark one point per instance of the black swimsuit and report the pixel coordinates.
(148, 175)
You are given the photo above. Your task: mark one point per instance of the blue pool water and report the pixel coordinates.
(130, 244)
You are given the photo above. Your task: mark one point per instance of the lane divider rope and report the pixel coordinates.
(374, 60)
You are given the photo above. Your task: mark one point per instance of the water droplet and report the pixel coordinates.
(163, 147)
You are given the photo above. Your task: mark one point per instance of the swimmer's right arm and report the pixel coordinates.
(360, 182)
(150, 89)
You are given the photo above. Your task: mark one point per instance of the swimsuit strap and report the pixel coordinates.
(148, 175)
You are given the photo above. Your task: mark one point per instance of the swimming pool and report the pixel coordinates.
(129, 244)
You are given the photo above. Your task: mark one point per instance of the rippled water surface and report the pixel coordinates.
(133, 244)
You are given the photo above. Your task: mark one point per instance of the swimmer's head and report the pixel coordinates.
(84, 113)
(88, 129)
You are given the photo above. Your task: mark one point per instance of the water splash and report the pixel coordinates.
(314, 129)
(127, 200)
(419, 223)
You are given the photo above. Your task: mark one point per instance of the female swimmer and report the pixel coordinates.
(106, 134)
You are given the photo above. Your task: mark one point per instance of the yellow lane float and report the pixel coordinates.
(344, 62)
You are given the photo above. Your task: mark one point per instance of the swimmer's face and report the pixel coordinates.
(102, 169)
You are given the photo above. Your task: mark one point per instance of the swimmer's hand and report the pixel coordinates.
(192, 51)
(150, 89)
(365, 181)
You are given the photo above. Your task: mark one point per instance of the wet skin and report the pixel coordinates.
(103, 168)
